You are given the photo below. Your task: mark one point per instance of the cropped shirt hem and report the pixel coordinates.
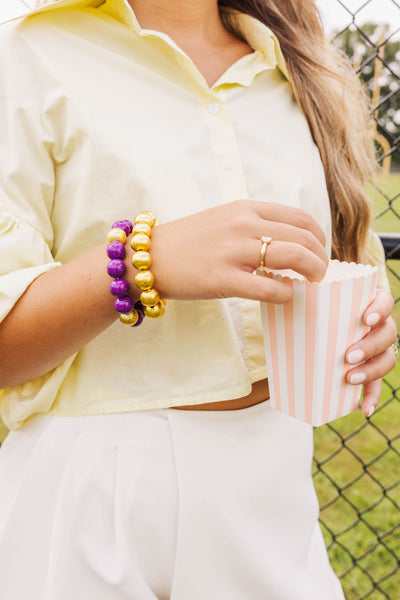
(127, 405)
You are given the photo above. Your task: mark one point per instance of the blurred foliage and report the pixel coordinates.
(377, 59)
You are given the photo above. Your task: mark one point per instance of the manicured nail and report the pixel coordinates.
(355, 357)
(372, 319)
(357, 378)
(371, 411)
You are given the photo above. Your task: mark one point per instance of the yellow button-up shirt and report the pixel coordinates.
(101, 119)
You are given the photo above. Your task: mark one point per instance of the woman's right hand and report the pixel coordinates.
(213, 253)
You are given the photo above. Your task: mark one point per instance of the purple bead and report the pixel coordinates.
(116, 250)
(139, 308)
(123, 305)
(116, 268)
(140, 319)
(124, 224)
(119, 287)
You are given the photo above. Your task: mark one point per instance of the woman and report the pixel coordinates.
(184, 109)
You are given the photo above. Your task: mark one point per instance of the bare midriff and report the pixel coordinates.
(259, 393)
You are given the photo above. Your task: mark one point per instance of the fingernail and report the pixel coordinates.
(372, 319)
(355, 356)
(357, 378)
(371, 411)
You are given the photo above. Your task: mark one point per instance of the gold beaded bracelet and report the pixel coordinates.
(154, 306)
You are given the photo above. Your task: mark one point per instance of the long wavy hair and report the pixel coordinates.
(337, 110)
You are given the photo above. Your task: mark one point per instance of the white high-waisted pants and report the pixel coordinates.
(162, 504)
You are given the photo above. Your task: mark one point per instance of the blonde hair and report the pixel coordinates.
(336, 107)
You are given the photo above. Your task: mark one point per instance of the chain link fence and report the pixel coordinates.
(357, 460)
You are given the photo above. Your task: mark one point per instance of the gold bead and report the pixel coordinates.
(150, 297)
(140, 241)
(141, 260)
(142, 228)
(154, 312)
(148, 212)
(145, 217)
(116, 235)
(144, 280)
(130, 318)
(163, 301)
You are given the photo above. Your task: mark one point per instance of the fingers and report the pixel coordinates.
(379, 309)
(374, 354)
(374, 368)
(292, 255)
(370, 375)
(371, 395)
(290, 215)
(374, 343)
(253, 287)
(293, 235)
(296, 244)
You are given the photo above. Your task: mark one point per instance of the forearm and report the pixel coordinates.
(59, 313)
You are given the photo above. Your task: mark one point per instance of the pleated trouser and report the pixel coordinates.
(159, 505)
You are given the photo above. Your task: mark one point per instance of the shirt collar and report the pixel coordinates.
(258, 36)
(268, 54)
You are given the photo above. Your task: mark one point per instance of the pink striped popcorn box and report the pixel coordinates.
(306, 340)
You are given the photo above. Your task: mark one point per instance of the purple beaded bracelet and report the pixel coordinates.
(129, 313)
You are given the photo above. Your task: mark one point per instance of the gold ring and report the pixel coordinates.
(265, 242)
(395, 350)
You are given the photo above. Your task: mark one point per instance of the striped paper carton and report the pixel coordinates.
(306, 340)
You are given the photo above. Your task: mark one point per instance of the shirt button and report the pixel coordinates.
(226, 162)
(213, 108)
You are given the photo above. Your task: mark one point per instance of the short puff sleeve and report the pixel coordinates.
(27, 178)
(27, 170)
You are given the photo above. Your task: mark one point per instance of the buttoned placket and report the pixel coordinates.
(214, 106)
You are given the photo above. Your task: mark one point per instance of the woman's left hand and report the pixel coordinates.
(374, 354)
